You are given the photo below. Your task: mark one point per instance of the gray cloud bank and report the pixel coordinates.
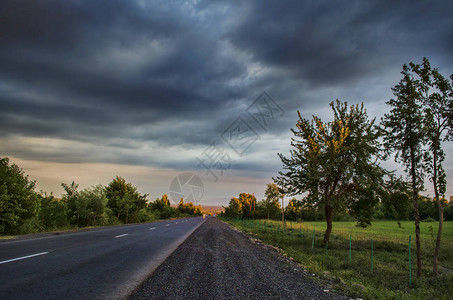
(155, 82)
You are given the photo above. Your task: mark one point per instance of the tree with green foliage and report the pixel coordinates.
(428, 208)
(124, 200)
(77, 206)
(448, 211)
(244, 206)
(234, 208)
(405, 135)
(293, 210)
(19, 203)
(335, 162)
(248, 203)
(396, 198)
(310, 211)
(160, 204)
(267, 210)
(436, 98)
(162, 207)
(53, 213)
(271, 202)
(96, 205)
(189, 208)
(116, 191)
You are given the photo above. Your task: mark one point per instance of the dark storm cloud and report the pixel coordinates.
(337, 42)
(61, 50)
(123, 75)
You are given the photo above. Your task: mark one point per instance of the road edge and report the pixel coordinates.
(148, 269)
(55, 233)
(324, 283)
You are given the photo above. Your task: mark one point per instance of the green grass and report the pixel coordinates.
(390, 276)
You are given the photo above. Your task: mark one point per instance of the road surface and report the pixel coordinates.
(104, 263)
(218, 262)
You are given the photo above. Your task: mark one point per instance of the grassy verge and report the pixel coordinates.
(386, 278)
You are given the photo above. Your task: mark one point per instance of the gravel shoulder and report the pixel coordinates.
(220, 262)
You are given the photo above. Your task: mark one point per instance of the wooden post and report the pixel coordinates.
(350, 241)
(313, 240)
(371, 255)
(410, 266)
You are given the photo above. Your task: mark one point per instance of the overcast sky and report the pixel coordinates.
(147, 89)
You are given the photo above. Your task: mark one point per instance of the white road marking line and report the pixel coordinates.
(176, 223)
(167, 225)
(23, 257)
(152, 228)
(121, 235)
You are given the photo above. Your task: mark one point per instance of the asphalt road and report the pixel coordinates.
(104, 263)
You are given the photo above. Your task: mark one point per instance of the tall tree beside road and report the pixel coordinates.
(86, 207)
(234, 208)
(243, 206)
(162, 207)
(124, 200)
(335, 162)
(405, 135)
(96, 200)
(271, 203)
(293, 209)
(18, 201)
(248, 203)
(437, 103)
(53, 213)
(76, 205)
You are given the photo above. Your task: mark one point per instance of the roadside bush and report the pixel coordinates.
(124, 200)
(146, 215)
(19, 203)
(189, 208)
(53, 213)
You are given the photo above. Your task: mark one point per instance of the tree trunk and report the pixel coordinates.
(441, 215)
(416, 214)
(328, 213)
(283, 212)
(439, 235)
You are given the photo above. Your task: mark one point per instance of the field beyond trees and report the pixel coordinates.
(389, 276)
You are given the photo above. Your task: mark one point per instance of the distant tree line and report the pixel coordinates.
(301, 210)
(23, 210)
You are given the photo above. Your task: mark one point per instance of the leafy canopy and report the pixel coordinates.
(336, 162)
(18, 200)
